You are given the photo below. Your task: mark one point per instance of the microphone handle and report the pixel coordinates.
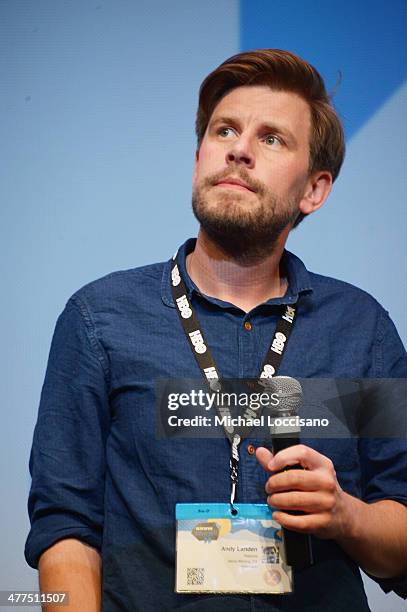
(297, 546)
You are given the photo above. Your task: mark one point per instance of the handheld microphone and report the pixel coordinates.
(297, 545)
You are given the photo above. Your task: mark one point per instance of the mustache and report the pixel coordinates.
(240, 174)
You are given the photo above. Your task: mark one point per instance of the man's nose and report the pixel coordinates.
(240, 152)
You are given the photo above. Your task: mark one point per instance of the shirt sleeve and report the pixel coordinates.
(67, 461)
(384, 459)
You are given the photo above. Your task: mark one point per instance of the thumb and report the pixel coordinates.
(264, 456)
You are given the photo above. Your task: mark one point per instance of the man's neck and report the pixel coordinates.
(245, 285)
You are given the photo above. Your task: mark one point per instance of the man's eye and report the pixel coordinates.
(225, 132)
(270, 139)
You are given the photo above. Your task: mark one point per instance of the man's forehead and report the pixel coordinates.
(261, 103)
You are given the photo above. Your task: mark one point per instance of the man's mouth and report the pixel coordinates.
(233, 183)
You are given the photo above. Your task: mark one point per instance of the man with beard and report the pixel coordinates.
(104, 488)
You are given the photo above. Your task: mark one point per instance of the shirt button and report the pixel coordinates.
(251, 449)
(247, 326)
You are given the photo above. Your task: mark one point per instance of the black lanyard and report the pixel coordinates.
(206, 363)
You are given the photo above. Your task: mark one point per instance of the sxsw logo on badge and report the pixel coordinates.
(206, 531)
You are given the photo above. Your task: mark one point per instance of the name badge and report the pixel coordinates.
(218, 552)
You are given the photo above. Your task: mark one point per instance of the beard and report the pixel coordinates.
(245, 225)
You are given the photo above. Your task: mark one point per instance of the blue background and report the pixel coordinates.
(98, 102)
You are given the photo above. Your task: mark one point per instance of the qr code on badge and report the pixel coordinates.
(195, 575)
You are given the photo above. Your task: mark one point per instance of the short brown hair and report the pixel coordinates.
(282, 71)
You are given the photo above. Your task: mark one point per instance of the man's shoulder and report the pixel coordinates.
(330, 290)
(121, 284)
(344, 296)
(330, 284)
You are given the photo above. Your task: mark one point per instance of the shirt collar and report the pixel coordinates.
(299, 280)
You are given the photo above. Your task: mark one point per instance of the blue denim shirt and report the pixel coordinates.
(100, 474)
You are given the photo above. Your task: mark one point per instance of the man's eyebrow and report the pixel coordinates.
(223, 119)
(266, 126)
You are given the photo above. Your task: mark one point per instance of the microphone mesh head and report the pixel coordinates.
(290, 394)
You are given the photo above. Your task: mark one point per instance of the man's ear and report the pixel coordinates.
(317, 190)
(195, 172)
